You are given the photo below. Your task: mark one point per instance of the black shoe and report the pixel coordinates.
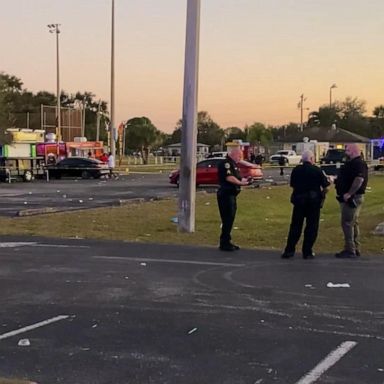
(236, 247)
(287, 255)
(358, 254)
(227, 247)
(346, 255)
(308, 255)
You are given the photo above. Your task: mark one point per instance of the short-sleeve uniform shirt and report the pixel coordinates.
(226, 168)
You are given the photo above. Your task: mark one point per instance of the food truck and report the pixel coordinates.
(19, 160)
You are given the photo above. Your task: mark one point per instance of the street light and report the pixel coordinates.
(330, 94)
(54, 28)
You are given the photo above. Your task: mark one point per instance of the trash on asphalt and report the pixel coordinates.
(143, 264)
(94, 325)
(24, 343)
(338, 285)
(192, 331)
(80, 201)
(25, 202)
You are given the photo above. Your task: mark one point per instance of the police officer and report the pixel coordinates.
(309, 187)
(230, 182)
(350, 188)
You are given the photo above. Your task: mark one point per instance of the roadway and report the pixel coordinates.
(126, 313)
(70, 194)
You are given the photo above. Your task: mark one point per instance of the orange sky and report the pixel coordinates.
(256, 57)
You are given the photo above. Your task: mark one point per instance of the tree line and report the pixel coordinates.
(141, 135)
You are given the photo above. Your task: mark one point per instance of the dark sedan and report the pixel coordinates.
(78, 167)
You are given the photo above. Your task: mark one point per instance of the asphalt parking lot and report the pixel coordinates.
(70, 194)
(113, 312)
(79, 194)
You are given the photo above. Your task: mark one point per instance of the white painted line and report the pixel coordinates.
(327, 363)
(34, 244)
(33, 326)
(141, 259)
(16, 244)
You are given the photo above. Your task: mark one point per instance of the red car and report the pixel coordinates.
(206, 172)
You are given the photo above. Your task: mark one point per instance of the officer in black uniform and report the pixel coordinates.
(230, 183)
(309, 187)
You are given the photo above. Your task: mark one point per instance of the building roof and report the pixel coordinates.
(326, 134)
(177, 145)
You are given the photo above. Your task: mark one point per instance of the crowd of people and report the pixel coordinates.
(309, 188)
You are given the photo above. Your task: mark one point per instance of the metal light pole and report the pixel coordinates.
(54, 28)
(301, 106)
(186, 216)
(112, 127)
(330, 94)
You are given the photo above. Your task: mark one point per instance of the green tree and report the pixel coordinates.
(325, 116)
(233, 133)
(258, 134)
(141, 135)
(208, 132)
(378, 112)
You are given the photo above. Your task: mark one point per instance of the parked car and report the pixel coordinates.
(331, 163)
(206, 172)
(290, 156)
(334, 156)
(217, 154)
(78, 167)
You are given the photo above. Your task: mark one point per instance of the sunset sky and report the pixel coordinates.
(256, 56)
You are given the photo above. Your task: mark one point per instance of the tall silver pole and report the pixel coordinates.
(58, 132)
(186, 216)
(98, 118)
(301, 112)
(112, 112)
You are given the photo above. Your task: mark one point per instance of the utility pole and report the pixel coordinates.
(330, 94)
(301, 106)
(112, 128)
(98, 118)
(186, 216)
(54, 28)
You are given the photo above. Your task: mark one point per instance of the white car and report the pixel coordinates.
(290, 156)
(217, 154)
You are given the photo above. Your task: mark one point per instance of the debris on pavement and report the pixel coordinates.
(338, 285)
(24, 343)
(192, 331)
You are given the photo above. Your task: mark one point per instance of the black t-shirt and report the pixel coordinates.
(307, 177)
(356, 167)
(226, 168)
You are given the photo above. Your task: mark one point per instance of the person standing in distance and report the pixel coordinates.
(309, 188)
(230, 182)
(350, 188)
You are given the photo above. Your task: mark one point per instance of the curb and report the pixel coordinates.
(37, 211)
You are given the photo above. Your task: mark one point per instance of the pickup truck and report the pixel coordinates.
(291, 158)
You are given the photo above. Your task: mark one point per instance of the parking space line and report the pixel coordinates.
(142, 259)
(327, 363)
(33, 326)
